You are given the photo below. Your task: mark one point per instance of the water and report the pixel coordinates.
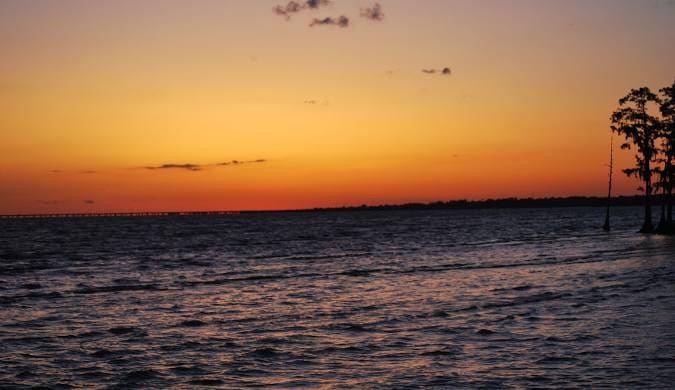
(444, 299)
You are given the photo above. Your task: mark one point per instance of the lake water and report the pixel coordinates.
(365, 299)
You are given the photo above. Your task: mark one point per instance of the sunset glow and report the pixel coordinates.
(93, 94)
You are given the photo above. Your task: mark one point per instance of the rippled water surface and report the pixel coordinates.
(444, 299)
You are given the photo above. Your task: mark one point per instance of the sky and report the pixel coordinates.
(119, 105)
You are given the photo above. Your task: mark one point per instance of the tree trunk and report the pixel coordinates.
(647, 226)
(662, 227)
(669, 211)
(606, 226)
(669, 197)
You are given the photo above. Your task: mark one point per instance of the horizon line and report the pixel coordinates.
(630, 200)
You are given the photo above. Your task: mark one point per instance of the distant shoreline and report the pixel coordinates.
(502, 203)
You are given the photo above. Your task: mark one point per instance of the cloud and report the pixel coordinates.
(200, 167)
(189, 167)
(293, 7)
(84, 172)
(444, 72)
(313, 102)
(374, 13)
(316, 3)
(237, 162)
(51, 202)
(88, 201)
(341, 21)
(286, 11)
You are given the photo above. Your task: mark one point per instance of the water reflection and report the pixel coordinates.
(349, 299)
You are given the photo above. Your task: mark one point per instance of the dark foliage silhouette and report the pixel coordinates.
(667, 133)
(640, 129)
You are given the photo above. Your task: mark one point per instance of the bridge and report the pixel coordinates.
(126, 214)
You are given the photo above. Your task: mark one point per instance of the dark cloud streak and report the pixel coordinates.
(237, 162)
(199, 167)
(83, 172)
(341, 21)
(444, 72)
(317, 3)
(51, 202)
(188, 167)
(293, 7)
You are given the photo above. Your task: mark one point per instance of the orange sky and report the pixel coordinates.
(93, 93)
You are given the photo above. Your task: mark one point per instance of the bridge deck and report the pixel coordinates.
(128, 214)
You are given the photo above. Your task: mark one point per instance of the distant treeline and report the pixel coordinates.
(505, 203)
(462, 204)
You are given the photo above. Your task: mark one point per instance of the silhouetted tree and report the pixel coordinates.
(667, 132)
(633, 121)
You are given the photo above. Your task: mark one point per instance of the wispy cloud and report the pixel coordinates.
(293, 7)
(188, 167)
(82, 172)
(373, 13)
(313, 102)
(287, 10)
(341, 21)
(444, 72)
(200, 167)
(88, 201)
(50, 202)
(237, 162)
(317, 3)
